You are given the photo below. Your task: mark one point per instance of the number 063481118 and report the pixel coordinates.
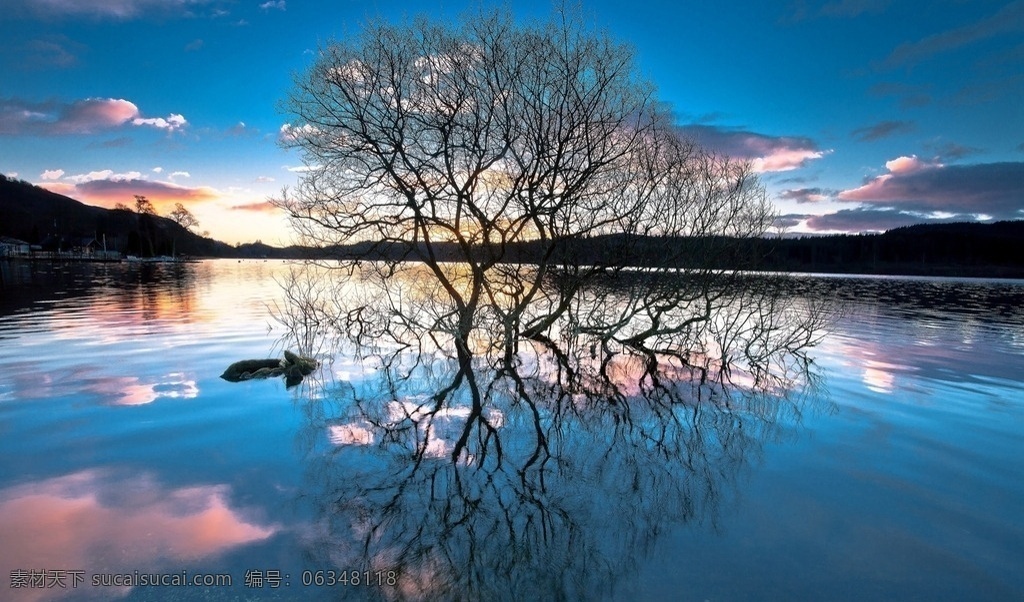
(350, 578)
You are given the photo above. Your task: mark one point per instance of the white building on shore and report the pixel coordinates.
(13, 247)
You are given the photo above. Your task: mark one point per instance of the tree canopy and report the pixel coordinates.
(490, 132)
(183, 217)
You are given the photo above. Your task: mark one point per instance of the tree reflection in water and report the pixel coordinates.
(539, 465)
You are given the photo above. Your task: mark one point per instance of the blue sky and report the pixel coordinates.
(860, 114)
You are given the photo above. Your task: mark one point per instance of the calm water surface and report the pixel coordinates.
(121, 450)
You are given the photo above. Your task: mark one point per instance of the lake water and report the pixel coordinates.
(123, 452)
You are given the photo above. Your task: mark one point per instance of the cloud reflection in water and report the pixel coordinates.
(87, 382)
(98, 521)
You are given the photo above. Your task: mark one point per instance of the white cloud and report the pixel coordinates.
(104, 174)
(290, 133)
(278, 4)
(52, 174)
(301, 168)
(179, 174)
(171, 123)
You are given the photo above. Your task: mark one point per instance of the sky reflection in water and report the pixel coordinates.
(121, 449)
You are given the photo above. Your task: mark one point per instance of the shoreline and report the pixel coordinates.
(981, 272)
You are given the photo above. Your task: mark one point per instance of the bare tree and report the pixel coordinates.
(536, 286)
(436, 143)
(492, 185)
(143, 206)
(147, 227)
(183, 217)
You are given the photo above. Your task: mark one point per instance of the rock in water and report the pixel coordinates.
(292, 367)
(245, 369)
(304, 364)
(292, 376)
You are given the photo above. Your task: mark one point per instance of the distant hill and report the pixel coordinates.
(40, 217)
(950, 249)
(36, 215)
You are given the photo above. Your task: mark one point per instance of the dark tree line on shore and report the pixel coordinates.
(955, 249)
(32, 214)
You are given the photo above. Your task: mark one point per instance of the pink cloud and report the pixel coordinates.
(993, 189)
(88, 116)
(59, 187)
(106, 188)
(766, 153)
(111, 191)
(905, 165)
(79, 117)
(92, 114)
(784, 159)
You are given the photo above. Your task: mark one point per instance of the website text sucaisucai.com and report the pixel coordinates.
(73, 579)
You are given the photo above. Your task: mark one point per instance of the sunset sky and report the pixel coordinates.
(859, 114)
